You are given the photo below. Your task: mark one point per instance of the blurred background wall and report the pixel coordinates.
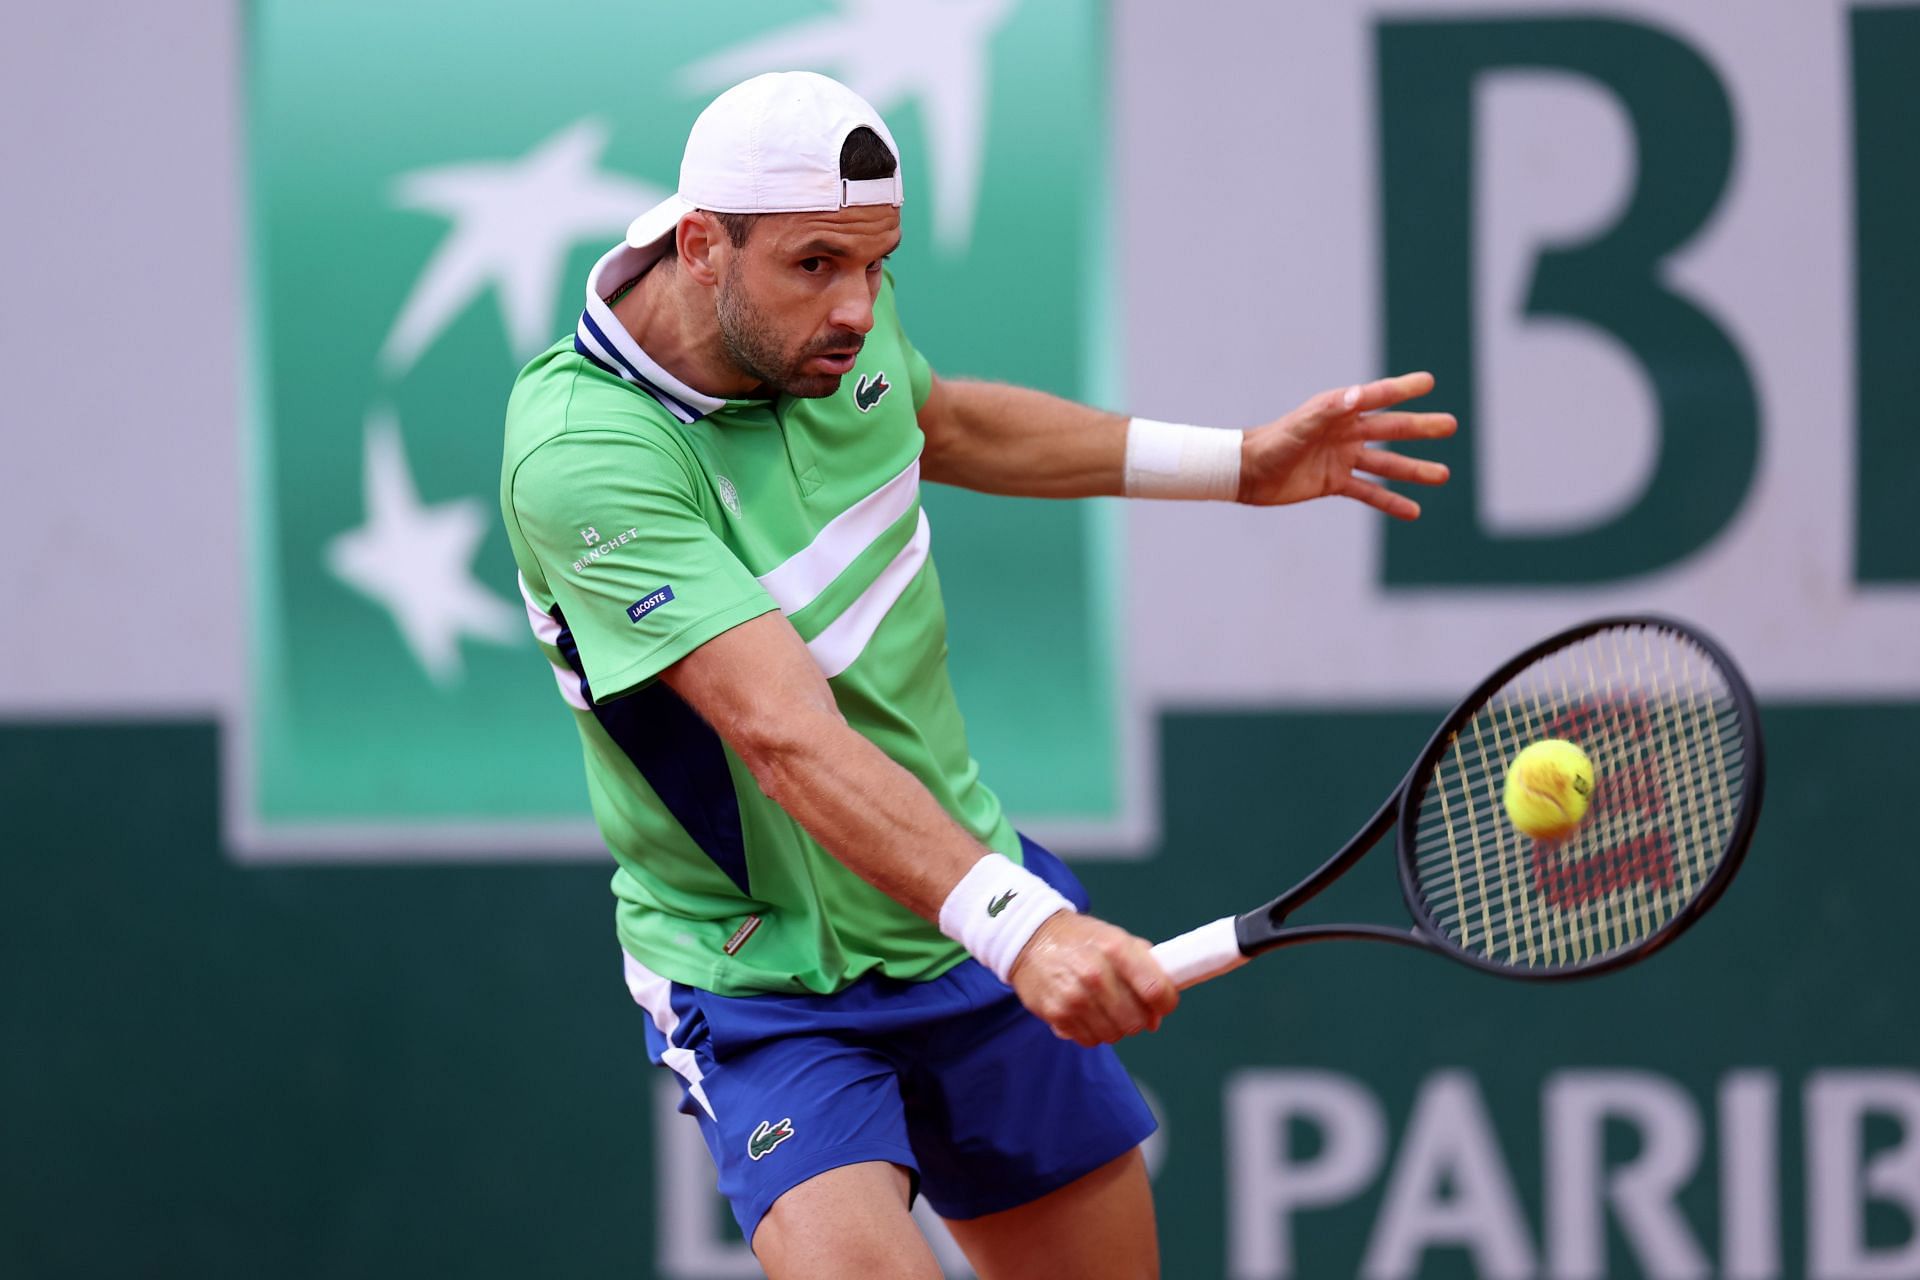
(309, 968)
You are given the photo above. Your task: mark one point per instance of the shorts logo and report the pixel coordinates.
(768, 1136)
(647, 604)
(590, 535)
(728, 494)
(866, 394)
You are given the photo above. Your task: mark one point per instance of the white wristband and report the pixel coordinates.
(1167, 460)
(995, 909)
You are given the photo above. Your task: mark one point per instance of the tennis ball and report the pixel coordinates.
(1548, 786)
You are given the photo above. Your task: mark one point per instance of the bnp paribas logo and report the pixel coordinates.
(396, 700)
(511, 226)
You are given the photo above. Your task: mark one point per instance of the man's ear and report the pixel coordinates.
(700, 239)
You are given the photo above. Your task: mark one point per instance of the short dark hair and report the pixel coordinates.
(864, 155)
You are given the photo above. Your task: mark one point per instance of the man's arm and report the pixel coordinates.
(1012, 440)
(760, 690)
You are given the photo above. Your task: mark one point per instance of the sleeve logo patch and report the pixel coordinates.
(647, 604)
(598, 546)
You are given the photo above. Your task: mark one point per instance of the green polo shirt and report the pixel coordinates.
(646, 519)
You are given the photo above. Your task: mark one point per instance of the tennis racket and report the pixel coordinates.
(1672, 731)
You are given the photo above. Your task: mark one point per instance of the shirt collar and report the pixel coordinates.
(605, 341)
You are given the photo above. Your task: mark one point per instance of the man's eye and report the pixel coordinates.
(811, 265)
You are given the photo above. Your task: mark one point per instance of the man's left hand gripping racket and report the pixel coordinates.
(1674, 738)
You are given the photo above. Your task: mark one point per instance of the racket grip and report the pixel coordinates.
(1199, 954)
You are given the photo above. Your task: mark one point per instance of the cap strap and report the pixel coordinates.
(870, 191)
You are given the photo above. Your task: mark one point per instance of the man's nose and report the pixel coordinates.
(853, 309)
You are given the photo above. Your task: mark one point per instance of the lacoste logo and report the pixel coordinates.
(867, 394)
(647, 604)
(768, 1136)
(999, 904)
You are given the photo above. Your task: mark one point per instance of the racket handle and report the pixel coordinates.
(1199, 954)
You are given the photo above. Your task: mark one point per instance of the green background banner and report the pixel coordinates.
(423, 223)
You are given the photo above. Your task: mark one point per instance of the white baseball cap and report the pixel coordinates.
(772, 145)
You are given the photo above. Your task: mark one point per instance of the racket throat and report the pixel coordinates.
(1274, 915)
(1298, 936)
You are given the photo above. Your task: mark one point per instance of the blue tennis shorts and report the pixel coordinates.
(952, 1079)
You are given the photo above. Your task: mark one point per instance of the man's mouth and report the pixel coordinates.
(837, 362)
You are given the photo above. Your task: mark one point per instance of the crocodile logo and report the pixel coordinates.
(767, 1136)
(867, 394)
(999, 904)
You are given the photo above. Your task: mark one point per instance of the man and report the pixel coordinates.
(712, 492)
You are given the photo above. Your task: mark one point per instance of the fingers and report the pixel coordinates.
(1397, 466)
(1110, 1010)
(1406, 426)
(1091, 982)
(1084, 1013)
(1155, 991)
(1381, 499)
(1365, 397)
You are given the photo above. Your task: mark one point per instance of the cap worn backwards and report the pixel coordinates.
(772, 145)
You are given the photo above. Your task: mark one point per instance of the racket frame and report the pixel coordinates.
(1264, 928)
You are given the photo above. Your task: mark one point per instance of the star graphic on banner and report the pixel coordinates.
(890, 51)
(514, 222)
(417, 561)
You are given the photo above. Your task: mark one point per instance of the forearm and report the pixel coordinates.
(1091, 982)
(758, 687)
(868, 812)
(1014, 440)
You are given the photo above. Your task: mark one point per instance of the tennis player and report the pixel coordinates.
(868, 983)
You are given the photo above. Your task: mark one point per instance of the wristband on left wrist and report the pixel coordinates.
(996, 908)
(1173, 460)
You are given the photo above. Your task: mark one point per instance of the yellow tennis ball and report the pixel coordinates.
(1548, 786)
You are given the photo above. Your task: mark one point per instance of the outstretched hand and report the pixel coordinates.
(1314, 451)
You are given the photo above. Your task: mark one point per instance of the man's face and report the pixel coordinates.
(796, 301)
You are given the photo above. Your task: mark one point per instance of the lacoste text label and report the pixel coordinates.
(647, 604)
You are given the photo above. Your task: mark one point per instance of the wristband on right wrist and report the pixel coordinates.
(995, 910)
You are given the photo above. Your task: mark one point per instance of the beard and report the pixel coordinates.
(757, 350)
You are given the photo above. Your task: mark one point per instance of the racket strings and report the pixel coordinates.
(1658, 721)
(1640, 785)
